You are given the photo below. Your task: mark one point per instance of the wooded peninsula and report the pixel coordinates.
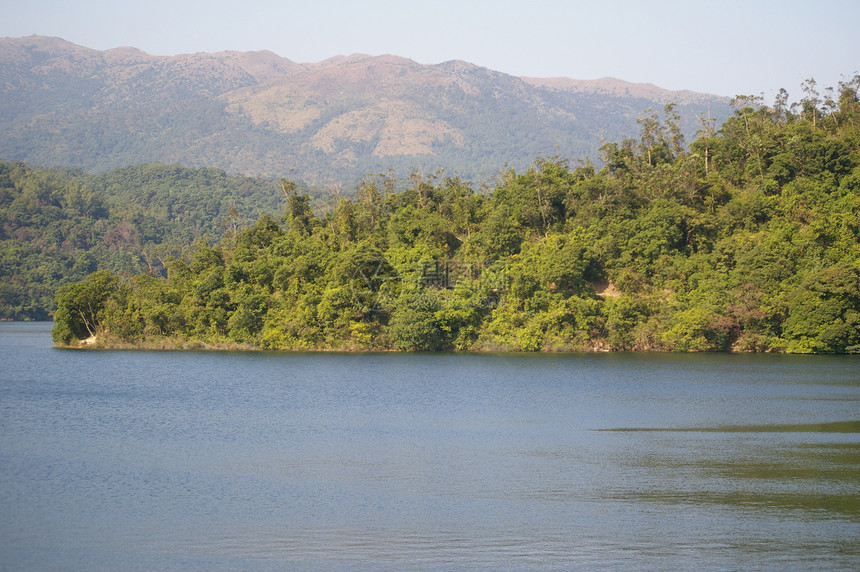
(744, 240)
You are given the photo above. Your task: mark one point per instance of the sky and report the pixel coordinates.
(725, 47)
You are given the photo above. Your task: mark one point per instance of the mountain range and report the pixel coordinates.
(260, 114)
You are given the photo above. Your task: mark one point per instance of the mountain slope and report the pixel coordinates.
(260, 114)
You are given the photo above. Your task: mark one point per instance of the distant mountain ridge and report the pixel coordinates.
(261, 114)
(620, 88)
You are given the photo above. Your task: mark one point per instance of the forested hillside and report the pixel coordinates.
(746, 240)
(58, 226)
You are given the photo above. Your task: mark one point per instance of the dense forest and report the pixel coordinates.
(746, 240)
(58, 226)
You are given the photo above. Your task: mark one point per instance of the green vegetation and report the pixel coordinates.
(747, 241)
(57, 227)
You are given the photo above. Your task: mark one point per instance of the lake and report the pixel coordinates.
(123, 460)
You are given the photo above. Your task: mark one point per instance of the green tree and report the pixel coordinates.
(80, 307)
(824, 312)
(413, 325)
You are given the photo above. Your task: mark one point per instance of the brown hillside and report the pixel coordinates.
(258, 113)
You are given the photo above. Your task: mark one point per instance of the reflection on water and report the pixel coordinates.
(790, 475)
(833, 427)
(225, 461)
(818, 478)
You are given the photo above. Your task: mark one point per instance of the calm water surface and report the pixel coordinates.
(115, 460)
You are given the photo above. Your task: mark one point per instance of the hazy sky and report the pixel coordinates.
(723, 47)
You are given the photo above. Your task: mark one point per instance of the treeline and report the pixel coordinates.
(58, 226)
(745, 240)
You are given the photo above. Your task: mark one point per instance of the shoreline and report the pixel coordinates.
(174, 344)
(168, 344)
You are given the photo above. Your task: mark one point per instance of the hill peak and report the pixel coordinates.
(617, 87)
(338, 119)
